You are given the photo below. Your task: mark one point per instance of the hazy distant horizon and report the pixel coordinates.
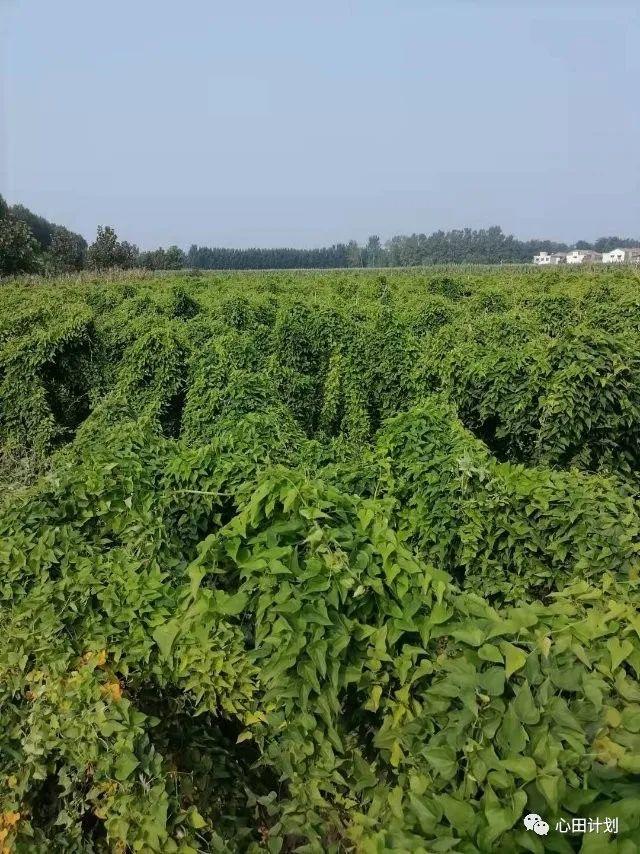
(274, 126)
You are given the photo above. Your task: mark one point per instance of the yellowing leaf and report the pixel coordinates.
(196, 820)
(544, 645)
(395, 801)
(607, 751)
(374, 700)
(396, 754)
(613, 717)
(112, 690)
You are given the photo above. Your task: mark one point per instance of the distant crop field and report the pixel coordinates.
(339, 561)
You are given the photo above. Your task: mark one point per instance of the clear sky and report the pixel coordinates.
(284, 122)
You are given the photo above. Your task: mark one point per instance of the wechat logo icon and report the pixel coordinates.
(534, 822)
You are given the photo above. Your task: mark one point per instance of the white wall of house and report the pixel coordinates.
(586, 256)
(583, 256)
(542, 259)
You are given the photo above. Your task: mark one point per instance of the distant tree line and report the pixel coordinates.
(29, 243)
(606, 244)
(206, 258)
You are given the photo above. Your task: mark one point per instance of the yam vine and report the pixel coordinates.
(319, 562)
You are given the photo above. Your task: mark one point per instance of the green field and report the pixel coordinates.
(320, 561)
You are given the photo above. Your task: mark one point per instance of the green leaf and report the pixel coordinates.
(443, 760)
(549, 787)
(502, 815)
(440, 613)
(365, 515)
(471, 635)
(396, 754)
(318, 654)
(460, 815)
(512, 737)
(631, 717)
(492, 680)
(525, 707)
(195, 819)
(374, 700)
(165, 635)
(515, 659)
(619, 651)
(630, 762)
(395, 801)
(489, 652)
(522, 766)
(427, 819)
(125, 765)
(228, 605)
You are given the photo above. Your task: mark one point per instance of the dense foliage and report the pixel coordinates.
(320, 562)
(29, 243)
(18, 248)
(43, 231)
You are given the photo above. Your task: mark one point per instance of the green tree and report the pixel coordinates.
(106, 251)
(18, 247)
(374, 253)
(42, 229)
(127, 255)
(67, 252)
(152, 259)
(103, 252)
(175, 259)
(354, 254)
(606, 244)
(172, 258)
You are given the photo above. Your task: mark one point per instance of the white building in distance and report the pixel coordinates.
(588, 256)
(616, 256)
(622, 256)
(583, 256)
(544, 259)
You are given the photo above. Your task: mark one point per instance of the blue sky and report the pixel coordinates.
(292, 123)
